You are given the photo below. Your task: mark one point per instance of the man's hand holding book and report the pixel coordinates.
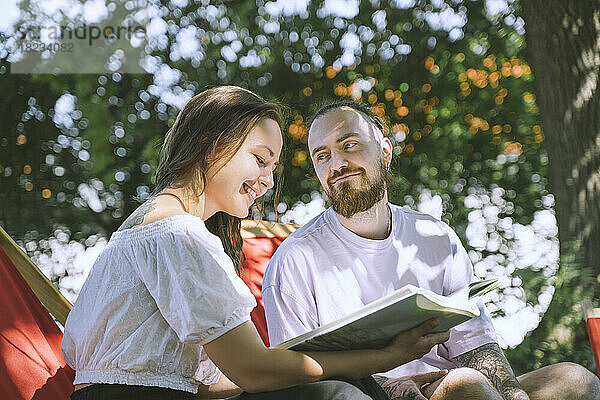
(413, 344)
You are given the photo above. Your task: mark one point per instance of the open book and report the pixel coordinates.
(375, 324)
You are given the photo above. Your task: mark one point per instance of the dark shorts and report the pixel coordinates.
(363, 389)
(103, 391)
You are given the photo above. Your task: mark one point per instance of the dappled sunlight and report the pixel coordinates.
(591, 155)
(502, 248)
(452, 79)
(302, 211)
(589, 62)
(17, 339)
(408, 252)
(587, 209)
(430, 203)
(524, 317)
(509, 247)
(590, 82)
(65, 261)
(427, 228)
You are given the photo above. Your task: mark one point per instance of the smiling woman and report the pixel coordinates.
(202, 142)
(164, 311)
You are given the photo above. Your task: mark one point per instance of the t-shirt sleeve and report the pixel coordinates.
(285, 293)
(477, 331)
(194, 284)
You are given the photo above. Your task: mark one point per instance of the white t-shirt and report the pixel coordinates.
(155, 295)
(323, 271)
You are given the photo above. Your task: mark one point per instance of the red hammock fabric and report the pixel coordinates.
(258, 251)
(31, 364)
(593, 327)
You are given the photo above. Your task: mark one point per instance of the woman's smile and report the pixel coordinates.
(247, 189)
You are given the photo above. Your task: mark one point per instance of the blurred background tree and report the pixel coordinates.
(564, 51)
(451, 78)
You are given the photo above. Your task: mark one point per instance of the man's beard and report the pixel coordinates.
(347, 201)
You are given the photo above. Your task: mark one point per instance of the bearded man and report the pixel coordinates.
(363, 248)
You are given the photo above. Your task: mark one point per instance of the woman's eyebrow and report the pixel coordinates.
(271, 153)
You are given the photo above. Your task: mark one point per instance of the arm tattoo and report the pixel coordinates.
(137, 218)
(490, 361)
(397, 389)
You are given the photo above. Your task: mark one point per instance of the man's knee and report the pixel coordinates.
(579, 383)
(563, 380)
(334, 390)
(466, 383)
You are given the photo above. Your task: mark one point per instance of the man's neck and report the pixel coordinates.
(375, 223)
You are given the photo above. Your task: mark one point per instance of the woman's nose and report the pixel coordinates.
(267, 180)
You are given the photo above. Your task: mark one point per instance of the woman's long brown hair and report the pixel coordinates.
(212, 126)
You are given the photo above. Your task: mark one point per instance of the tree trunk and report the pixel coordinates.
(563, 41)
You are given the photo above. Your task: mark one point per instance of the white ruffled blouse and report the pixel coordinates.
(155, 295)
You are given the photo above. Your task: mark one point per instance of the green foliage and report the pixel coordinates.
(559, 340)
(453, 105)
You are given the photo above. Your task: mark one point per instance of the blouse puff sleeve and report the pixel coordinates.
(195, 285)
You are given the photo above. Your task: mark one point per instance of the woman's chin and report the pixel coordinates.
(240, 213)
(240, 209)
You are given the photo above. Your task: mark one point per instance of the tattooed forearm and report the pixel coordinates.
(137, 218)
(490, 361)
(386, 384)
(398, 389)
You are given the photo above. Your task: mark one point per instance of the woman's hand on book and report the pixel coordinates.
(415, 343)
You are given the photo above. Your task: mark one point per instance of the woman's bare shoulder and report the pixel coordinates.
(150, 211)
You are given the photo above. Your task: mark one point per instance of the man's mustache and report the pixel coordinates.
(342, 172)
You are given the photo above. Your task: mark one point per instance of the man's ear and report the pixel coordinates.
(386, 148)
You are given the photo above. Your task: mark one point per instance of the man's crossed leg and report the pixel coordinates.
(562, 381)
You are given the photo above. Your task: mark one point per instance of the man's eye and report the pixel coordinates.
(321, 157)
(349, 145)
(260, 161)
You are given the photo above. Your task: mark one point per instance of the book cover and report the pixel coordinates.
(375, 324)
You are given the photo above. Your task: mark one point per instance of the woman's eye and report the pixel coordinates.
(260, 161)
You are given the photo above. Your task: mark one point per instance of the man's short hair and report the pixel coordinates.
(362, 108)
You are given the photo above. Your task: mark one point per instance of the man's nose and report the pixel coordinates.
(338, 161)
